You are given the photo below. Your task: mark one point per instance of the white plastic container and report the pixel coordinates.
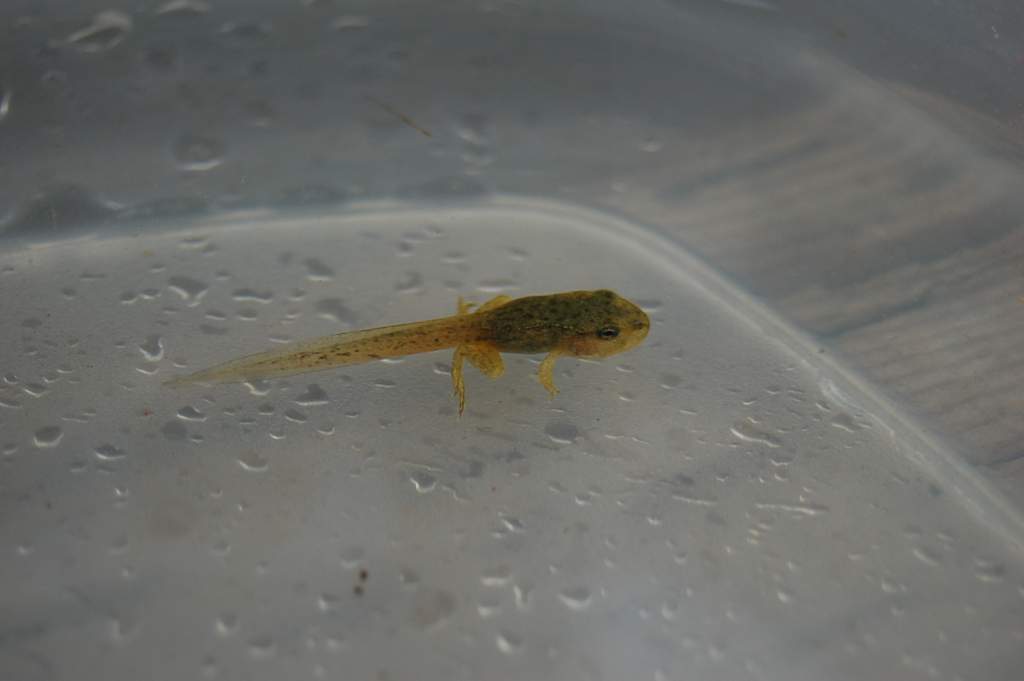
(191, 182)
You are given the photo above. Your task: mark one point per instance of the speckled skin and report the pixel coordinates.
(565, 321)
(577, 323)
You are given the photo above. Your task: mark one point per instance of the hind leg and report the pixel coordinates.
(458, 383)
(495, 302)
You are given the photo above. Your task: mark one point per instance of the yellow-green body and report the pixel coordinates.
(576, 324)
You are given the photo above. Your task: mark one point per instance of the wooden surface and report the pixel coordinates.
(892, 228)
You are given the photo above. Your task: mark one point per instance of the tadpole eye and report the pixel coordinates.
(607, 333)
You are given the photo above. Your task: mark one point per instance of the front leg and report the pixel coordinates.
(463, 307)
(458, 384)
(546, 373)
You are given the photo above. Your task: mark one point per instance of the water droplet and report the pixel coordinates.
(190, 290)
(108, 28)
(261, 647)
(522, 594)
(295, 416)
(245, 33)
(988, 571)
(844, 421)
(575, 598)
(423, 482)
(352, 557)
(226, 624)
(562, 432)
(314, 395)
(48, 436)
(328, 602)
(335, 310)
(190, 413)
(121, 628)
(795, 508)
(250, 295)
(496, 577)
(316, 270)
(252, 462)
(670, 381)
(109, 453)
(35, 389)
(408, 577)
(511, 524)
(748, 433)
(7, 403)
(183, 7)
(350, 22)
(651, 145)
(5, 103)
(890, 587)
(508, 642)
(488, 606)
(927, 556)
(197, 153)
(153, 348)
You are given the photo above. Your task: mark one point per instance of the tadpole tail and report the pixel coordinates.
(341, 349)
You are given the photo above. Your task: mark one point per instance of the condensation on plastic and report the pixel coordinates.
(719, 503)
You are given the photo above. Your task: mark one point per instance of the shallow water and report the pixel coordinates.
(723, 502)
